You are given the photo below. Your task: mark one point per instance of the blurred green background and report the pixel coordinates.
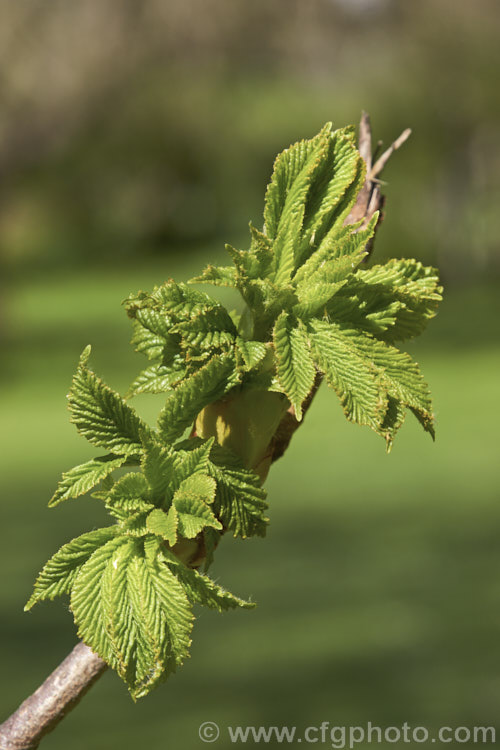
(135, 139)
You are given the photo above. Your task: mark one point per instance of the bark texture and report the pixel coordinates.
(60, 692)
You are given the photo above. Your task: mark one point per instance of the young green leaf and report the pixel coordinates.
(292, 179)
(133, 614)
(212, 328)
(168, 305)
(190, 463)
(240, 500)
(338, 255)
(293, 173)
(348, 370)
(101, 415)
(193, 514)
(164, 524)
(403, 380)
(314, 298)
(178, 328)
(365, 307)
(339, 172)
(134, 524)
(216, 275)
(129, 495)
(201, 589)
(81, 479)
(59, 573)
(405, 287)
(200, 486)
(159, 465)
(252, 352)
(208, 384)
(156, 379)
(372, 379)
(295, 367)
(163, 618)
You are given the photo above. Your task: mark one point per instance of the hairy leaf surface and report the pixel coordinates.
(101, 415)
(81, 479)
(200, 589)
(208, 384)
(295, 367)
(133, 613)
(59, 573)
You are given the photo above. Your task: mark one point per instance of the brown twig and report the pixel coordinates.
(370, 198)
(56, 697)
(379, 165)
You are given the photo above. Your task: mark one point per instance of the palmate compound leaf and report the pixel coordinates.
(131, 599)
(196, 483)
(211, 329)
(240, 500)
(200, 589)
(189, 512)
(309, 194)
(294, 364)
(101, 415)
(159, 465)
(164, 469)
(81, 479)
(156, 379)
(167, 305)
(286, 195)
(170, 480)
(179, 329)
(216, 275)
(208, 334)
(128, 496)
(193, 513)
(59, 573)
(330, 201)
(133, 612)
(330, 269)
(313, 187)
(207, 384)
(252, 352)
(374, 381)
(402, 294)
(336, 258)
(185, 519)
(188, 464)
(174, 317)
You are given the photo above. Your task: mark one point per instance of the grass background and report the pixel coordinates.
(135, 139)
(377, 586)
